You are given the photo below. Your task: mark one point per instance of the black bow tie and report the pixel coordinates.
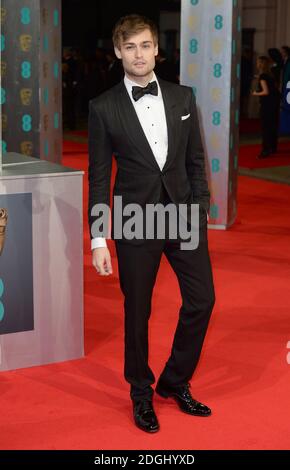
(150, 89)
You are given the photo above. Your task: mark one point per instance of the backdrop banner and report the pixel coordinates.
(210, 64)
(31, 78)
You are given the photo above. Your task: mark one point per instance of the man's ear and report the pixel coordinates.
(156, 50)
(117, 52)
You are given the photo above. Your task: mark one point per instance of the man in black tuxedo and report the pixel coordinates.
(151, 126)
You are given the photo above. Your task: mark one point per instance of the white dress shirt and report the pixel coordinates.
(151, 115)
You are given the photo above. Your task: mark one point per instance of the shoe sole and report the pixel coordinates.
(193, 414)
(147, 430)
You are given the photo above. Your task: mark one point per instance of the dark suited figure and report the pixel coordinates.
(246, 80)
(71, 85)
(164, 68)
(151, 126)
(276, 66)
(114, 72)
(269, 96)
(285, 108)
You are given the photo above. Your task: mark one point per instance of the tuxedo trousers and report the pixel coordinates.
(138, 267)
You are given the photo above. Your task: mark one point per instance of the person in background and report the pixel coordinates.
(95, 74)
(164, 68)
(285, 89)
(276, 65)
(269, 96)
(71, 80)
(115, 71)
(246, 80)
(285, 52)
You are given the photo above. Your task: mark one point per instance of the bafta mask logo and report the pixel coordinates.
(216, 94)
(215, 141)
(45, 122)
(25, 41)
(3, 223)
(193, 22)
(192, 70)
(44, 15)
(55, 95)
(3, 69)
(45, 69)
(217, 46)
(4, 122)
(26, 148)
(26, 96)
(3, 15)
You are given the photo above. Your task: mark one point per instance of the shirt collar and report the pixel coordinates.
(129, 83)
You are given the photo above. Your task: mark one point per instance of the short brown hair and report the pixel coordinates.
(129, 25)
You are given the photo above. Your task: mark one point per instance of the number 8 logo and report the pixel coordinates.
(216, 118)
(26, 69)
(193, 46)
(25, 15)
(26, 123)
(215, 165)
(218, 22)
(217, 70)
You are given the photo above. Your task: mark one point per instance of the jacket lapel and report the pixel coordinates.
(173, 123)
(132, 126)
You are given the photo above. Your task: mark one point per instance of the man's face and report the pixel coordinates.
(138, 54)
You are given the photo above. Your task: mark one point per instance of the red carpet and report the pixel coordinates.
(243, 373)
(248, 156)
(250, 126)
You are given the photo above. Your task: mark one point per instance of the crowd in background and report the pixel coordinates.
(84, 79)
(267, 79)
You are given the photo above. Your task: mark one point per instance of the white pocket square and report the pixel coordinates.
(185, 117)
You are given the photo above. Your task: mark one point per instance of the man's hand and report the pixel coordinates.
(102, 261)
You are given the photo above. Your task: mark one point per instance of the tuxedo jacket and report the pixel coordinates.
(114, 129)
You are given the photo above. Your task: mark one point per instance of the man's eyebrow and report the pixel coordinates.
(133, 43)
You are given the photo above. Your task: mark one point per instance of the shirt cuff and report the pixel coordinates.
(98, 242)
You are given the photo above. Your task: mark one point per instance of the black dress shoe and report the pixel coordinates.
(183, 397)
(144, 416)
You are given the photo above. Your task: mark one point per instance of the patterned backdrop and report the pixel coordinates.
(210, 64)
(31, 78)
